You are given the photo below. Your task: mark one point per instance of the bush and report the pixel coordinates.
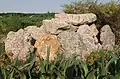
(107, 13)
(63, 68)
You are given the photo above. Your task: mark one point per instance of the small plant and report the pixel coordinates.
(98, 65)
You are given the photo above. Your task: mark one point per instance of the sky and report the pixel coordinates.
(34, 6)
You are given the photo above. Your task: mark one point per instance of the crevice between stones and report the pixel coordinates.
(98, 36)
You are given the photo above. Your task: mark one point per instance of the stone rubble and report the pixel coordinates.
(73, 33)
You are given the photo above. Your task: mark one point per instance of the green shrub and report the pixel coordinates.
(107, 13)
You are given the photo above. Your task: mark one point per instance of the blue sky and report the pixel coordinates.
(34, 6)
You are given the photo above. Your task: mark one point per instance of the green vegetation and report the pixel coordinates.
(15, 21)
(98, 65)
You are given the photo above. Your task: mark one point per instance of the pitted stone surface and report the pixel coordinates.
(107, 38)
(18, 44)
(88, 35)
(44, 43)
(69, 33)
(72, 43)
(77, 19)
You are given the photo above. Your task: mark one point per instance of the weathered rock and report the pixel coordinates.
(77, 19)
(94, 30)
(45, 42)
(54, 26)
(72, 43)
(18, 44)
(34, 31)
(21, 43)
(107, 38)
(88, 35)
(68, 32)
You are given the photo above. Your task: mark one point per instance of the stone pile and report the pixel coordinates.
(66, 33)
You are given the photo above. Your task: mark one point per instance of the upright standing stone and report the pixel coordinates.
(71, 44)
(88, 35)
(107, 38)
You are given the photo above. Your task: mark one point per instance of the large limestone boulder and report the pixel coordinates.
(77, 19)
(44, 43)
(34, 31)
(21, 43)
(72, 43)
(18, 44)
(107, 38)
(88, 35)
(54, 26)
